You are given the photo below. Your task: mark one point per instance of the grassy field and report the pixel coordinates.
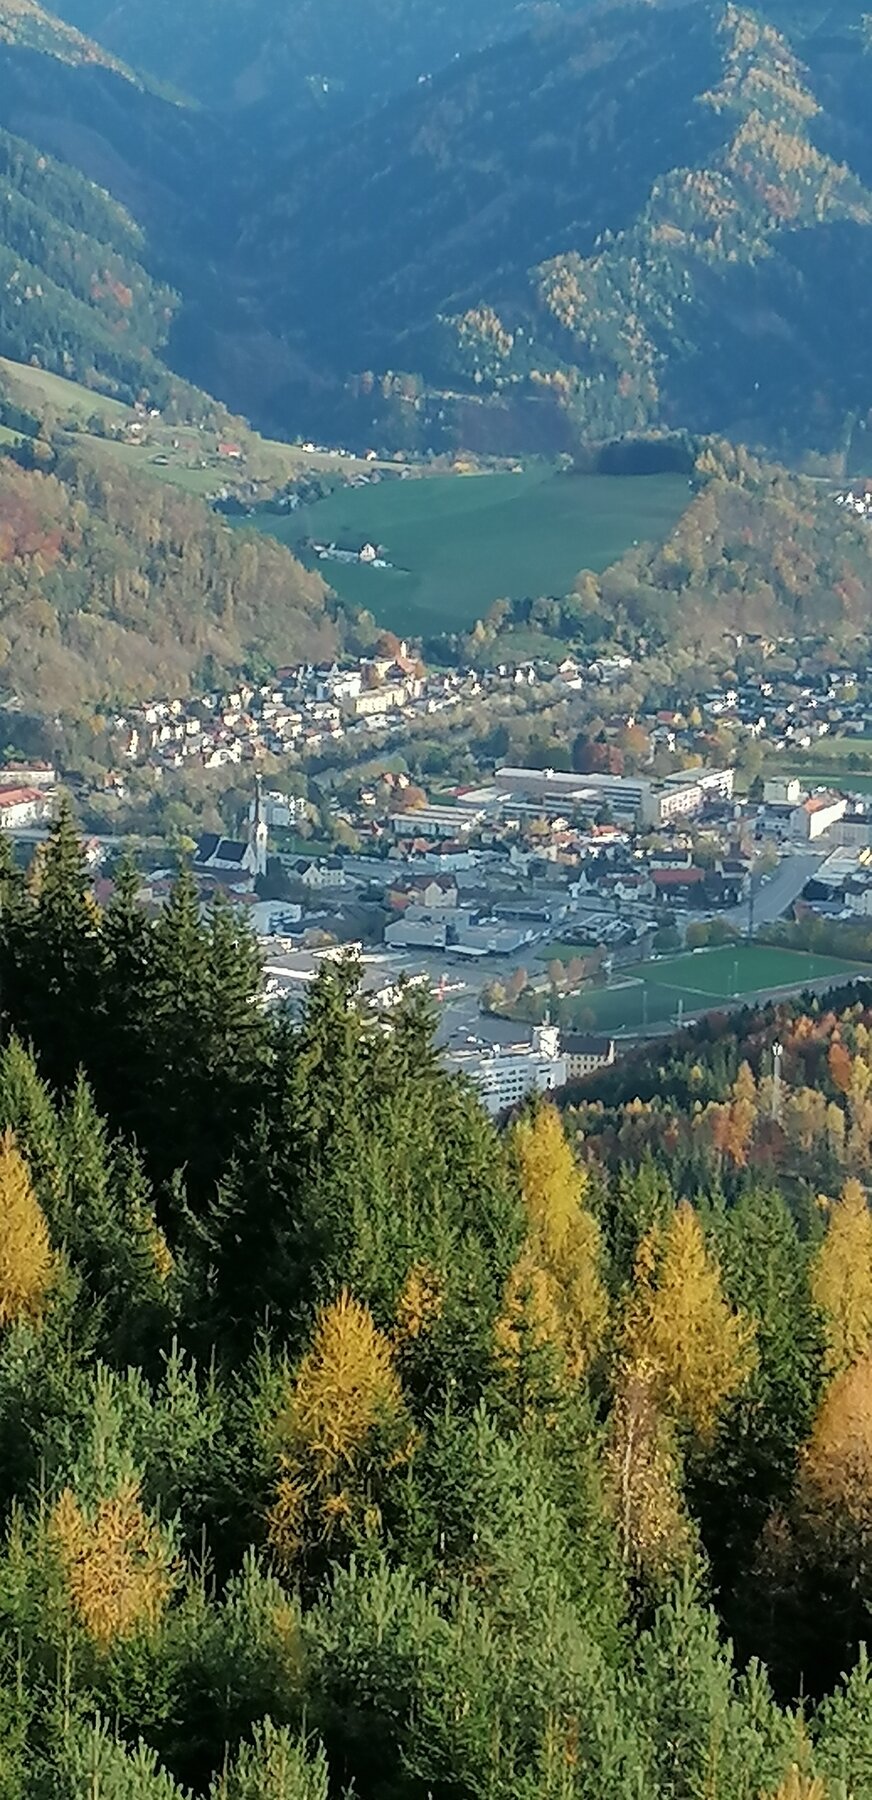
(66, 397)
(458, 543)
(828, 763)
(699, 980)
(183, 445)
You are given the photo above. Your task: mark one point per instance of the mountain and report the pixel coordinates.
(638, 218)
(305, 63)
(505, 226)
(74, 294)
(28, 25)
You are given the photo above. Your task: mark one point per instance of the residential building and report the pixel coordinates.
(319, 874)
(817, 814)
(782, 791)
(585, 1053)
(22, 806)
(30, 775)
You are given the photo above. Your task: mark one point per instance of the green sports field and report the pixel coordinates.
(459, 542)
(694, 983)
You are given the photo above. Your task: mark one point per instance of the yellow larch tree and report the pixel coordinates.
(841, 1278)
(836, 1467)
(679, 1325)
(641, 1484)
(27, 1261)
(341, 1419)
(798, 1786)
(420, 1303)
(745, 1087)
(555, 1289)
(118, 1567)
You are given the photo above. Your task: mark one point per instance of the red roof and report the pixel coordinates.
(18, 796)
(677, 877)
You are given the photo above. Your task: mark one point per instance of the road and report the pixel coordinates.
(773, 897)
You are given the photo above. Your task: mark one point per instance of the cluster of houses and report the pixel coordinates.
(856, 499)
(300, 711)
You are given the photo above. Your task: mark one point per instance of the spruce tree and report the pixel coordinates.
(54, 989)
(276, 1766)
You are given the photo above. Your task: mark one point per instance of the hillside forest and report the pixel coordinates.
(353, 1443)
(615, 217)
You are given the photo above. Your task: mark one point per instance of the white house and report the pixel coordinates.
(22, 806)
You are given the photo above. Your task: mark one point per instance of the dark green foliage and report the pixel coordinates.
(268, 1425)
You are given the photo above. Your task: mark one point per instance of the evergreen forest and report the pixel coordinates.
(351, 1444)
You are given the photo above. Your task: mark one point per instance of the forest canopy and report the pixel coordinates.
(352, 1441)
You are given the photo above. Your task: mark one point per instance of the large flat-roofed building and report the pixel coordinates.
(436, 821)
(506, 1073)
(635, 798)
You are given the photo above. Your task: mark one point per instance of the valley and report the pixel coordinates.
(458, 543)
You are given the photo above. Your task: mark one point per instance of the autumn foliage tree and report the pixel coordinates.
(836, 1474)
(341, 1423)
(679, 1324)
(842, 1278)
(555, 1290)
(27, 1262)
(641, 1475)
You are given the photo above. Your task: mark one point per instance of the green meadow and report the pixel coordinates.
(459, 542)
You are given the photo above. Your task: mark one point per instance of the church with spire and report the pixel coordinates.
(238, 861)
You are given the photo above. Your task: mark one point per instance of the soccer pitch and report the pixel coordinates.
(658, 992)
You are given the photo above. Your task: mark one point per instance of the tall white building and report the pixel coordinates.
(506, 1073)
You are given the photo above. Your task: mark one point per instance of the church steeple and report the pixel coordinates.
(257, 832)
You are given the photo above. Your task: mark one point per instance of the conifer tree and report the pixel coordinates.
(95, 1765)
(837, 1462)
(750, 1472)
(55, 959)
(642, 1480)
(842, 1278)
(117, 1567)
(26, 1107)
(843, 1732)
(343, 1421)
(710, 1732)
(680, 1326)
(556, 1284)
(275, 1766)
(117, 1564)
(27, 1262)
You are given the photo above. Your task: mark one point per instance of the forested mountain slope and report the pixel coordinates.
(301, 63)
(354, 1443)
(641, 217)
(115, 587)
(30, 26)
(74, 294)
(617, 218)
